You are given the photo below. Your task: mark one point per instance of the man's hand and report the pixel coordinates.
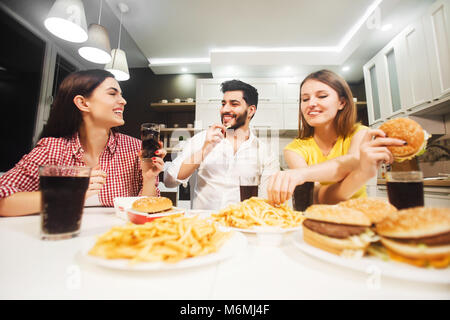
(214, 135)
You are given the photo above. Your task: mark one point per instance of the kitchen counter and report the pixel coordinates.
(426, 183)
(36, 269)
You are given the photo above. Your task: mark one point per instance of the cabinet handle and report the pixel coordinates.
(213, 100)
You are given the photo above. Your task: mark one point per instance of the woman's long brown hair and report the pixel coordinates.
(345, 119)
(65, 118)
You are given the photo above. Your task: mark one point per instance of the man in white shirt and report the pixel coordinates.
(224, 152)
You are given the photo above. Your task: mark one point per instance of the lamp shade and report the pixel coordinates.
(67, 20)
(97, 48)
(118, 65)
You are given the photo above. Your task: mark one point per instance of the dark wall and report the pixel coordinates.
(144, 87)
(21, 60)
(359, 92)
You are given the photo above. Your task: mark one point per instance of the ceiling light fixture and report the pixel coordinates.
(97, 48)
(67, 20)
(118, 65)
(184, 69)
(346, 68)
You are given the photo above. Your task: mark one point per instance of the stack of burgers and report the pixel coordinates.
(419, 236)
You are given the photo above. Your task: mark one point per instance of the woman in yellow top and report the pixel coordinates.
(331, 147)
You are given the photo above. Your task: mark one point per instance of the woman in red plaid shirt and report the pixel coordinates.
(81, 131)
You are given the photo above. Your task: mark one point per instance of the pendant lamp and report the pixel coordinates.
(97, 48)
(67, 20)
(118, 65)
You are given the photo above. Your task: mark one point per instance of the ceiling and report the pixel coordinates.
(244, 38)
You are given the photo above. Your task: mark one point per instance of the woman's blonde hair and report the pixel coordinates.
(345, 119)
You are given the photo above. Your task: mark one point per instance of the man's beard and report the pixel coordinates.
(239, 120)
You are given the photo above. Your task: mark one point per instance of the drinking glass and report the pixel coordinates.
(150, 139)
(405, 189)
(248, 186)
(63, 191)
(303, 196)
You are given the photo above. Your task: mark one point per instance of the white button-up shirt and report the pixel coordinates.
(217, 183)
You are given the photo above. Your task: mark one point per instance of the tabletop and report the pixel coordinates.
(35, 269)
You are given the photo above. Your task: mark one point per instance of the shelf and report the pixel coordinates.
(178, 129)
(172, 107)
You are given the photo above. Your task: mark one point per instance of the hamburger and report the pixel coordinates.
(407, 130)
(375, 209)
(418, 236)
(152, 205)
(339, 230)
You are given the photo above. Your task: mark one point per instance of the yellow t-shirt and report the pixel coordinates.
(309, 150)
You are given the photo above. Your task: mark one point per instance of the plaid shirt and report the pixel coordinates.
(119, 160)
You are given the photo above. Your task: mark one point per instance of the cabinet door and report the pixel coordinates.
(437, 28)
(268, 115)
(207, 114)
(291, 92)
(395, 83)
(417, 61)
(269, 90)
(393, 86)
(291, 116)
(208, 90)
(372, 84)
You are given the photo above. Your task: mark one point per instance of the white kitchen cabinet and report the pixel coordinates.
(208, 90)
(291, 103)
(268, 115)
(269, 110)
(436, 24)
(291, 91)
(206, 114)
(291, 116)
(411, 75)
(269, 90)
(394, 88)
(373, 76)
(418, 73)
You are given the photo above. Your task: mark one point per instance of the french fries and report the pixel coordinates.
(258, 212)
(168, 239)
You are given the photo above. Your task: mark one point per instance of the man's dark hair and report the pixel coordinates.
(250, 94)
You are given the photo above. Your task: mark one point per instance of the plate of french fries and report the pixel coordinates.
(172, 242)
(257, 215)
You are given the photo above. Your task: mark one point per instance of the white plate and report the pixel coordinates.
(264, 230)
(372, 264)
(230, 248)
(205, 214)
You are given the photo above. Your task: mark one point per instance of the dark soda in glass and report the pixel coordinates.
(62, 203)
(248, 191)
(150, 140)
(403, 195)
(303, 196)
